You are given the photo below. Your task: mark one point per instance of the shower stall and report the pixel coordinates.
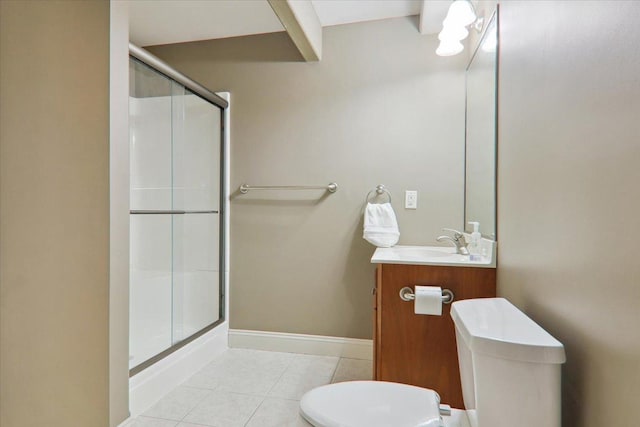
(176, 210)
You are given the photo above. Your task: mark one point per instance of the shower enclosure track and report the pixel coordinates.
(160, 66)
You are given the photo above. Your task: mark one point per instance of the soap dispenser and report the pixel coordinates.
(474, 244)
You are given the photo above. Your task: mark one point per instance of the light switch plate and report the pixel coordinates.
(411, 199)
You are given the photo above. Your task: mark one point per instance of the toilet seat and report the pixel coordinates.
(371, 404)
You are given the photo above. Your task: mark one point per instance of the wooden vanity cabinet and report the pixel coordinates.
(419, 349)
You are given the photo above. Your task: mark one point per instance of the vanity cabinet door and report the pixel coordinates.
(418, 349)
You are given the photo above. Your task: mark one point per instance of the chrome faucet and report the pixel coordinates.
(457, 239)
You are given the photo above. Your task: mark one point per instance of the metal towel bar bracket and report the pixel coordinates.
(331, 187)
(406, 294)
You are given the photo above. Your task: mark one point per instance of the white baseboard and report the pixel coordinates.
(148, 386)
(298, 343)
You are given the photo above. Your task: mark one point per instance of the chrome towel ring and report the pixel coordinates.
(379, 190)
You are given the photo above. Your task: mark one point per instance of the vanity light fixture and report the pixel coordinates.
(490, 44)
(461, 12)
(451, 32)
(449, 48)
(461, 15)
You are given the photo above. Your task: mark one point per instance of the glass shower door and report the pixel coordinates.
(150, 120)
(175, 281)
(196, 190)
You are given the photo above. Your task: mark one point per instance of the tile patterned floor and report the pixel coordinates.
(250, 388)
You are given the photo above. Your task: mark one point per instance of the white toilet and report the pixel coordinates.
(510, 372)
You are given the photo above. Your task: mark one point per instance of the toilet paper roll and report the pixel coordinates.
(428, 300)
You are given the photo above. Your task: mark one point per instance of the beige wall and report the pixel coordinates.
(568, 193)
(379, 108)
(54, 213)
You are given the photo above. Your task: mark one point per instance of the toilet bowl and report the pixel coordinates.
(509, 369)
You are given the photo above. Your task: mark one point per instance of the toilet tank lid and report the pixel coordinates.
(495, 327)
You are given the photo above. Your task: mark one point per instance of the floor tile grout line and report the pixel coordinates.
(217, 388)
(289, 361)
(254, 412)
(153, 418)
(189, 411)
(281, 375)
(202, 388)
(335, 370)
(199, 402)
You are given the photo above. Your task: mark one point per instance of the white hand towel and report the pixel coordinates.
(380, 225)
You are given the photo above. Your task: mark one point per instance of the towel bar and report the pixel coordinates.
(331, 187)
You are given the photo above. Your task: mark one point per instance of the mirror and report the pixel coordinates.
(481, 133)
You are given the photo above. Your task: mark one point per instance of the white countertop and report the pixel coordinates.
(432, 255)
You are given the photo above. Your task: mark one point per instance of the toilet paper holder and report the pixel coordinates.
(406, 294)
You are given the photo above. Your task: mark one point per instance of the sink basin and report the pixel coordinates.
(428, 255)
(419, 252)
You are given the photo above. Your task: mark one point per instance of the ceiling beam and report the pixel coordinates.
(432, 14)
(300, 20)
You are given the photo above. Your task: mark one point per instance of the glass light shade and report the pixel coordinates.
(490, 44)
(449, 48)
(490, 41)
(453, 33)
(460, 13)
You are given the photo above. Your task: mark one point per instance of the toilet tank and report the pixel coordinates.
(509, 365)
